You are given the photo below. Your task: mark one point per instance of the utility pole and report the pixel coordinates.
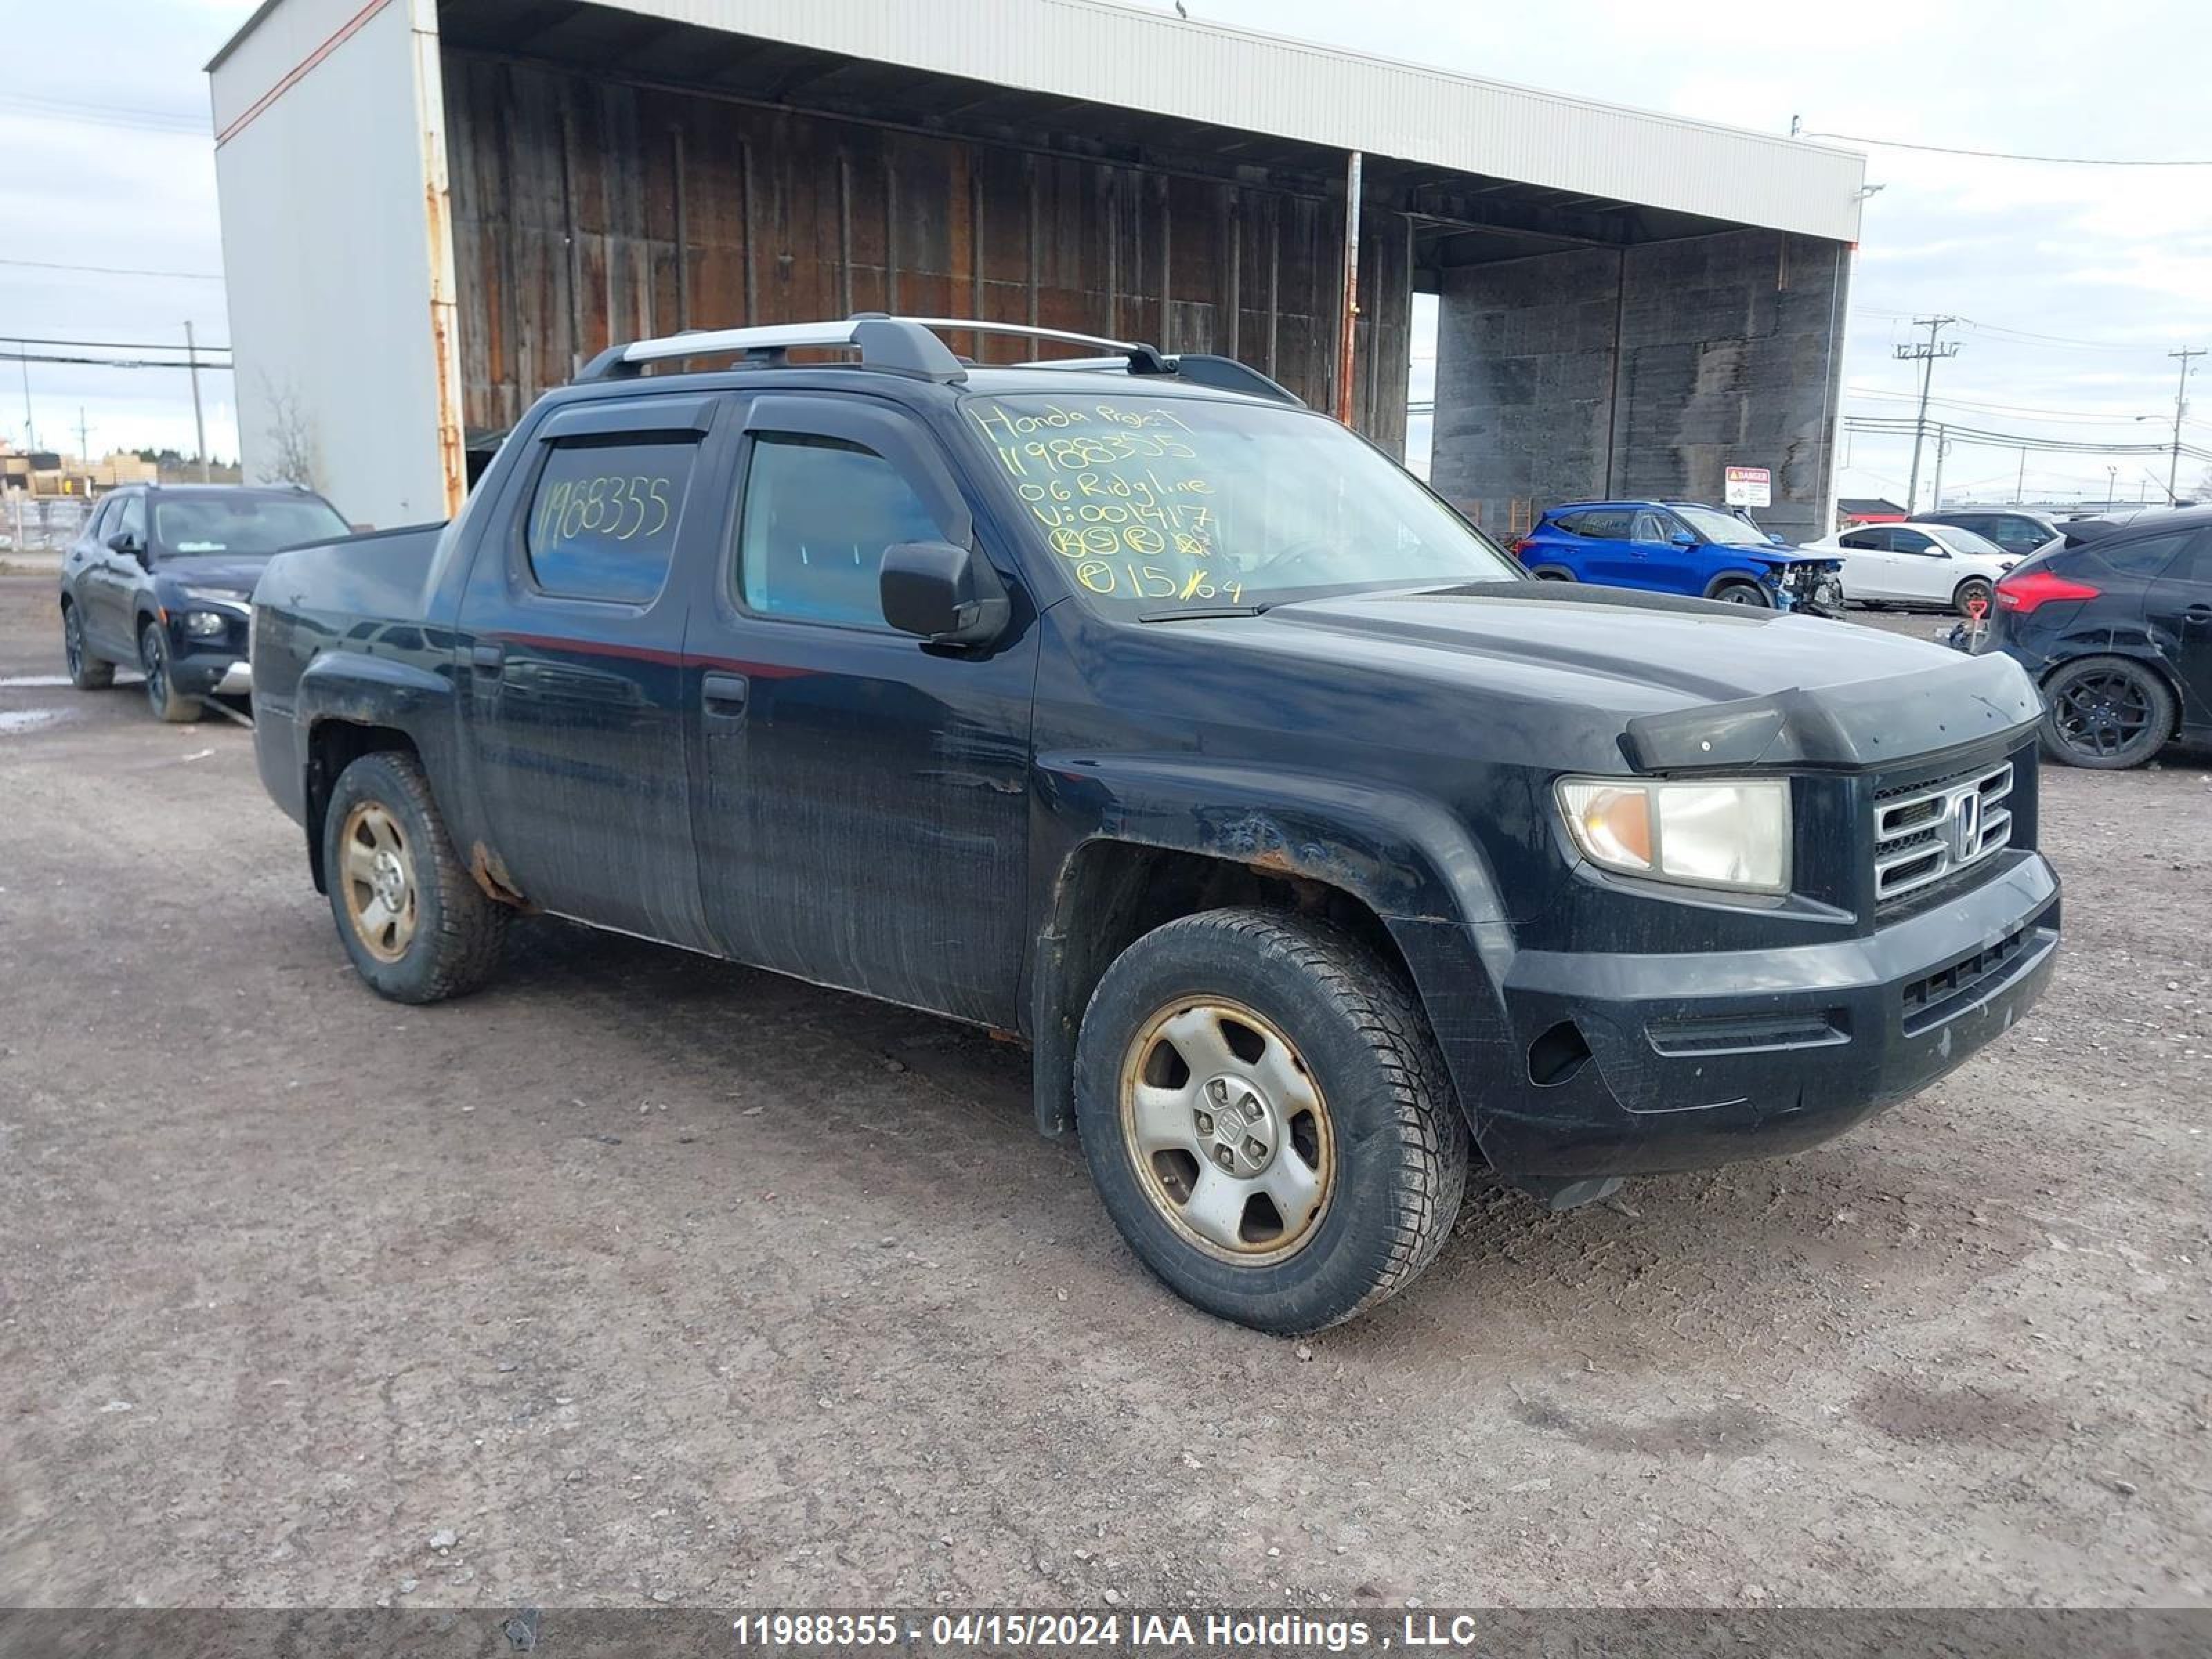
(199, 426)
(83, 445)
(2112, 486)
(2180, 408)
(2020, 487)
(30, 436)
(1925, 355)
(1943, 448)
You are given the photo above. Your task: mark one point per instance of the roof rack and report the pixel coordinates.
(910, 345)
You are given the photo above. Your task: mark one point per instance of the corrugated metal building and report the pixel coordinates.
(433, 211)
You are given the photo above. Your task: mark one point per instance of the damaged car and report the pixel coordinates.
(1126, 706)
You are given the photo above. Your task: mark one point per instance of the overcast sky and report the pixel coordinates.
(2075, 281)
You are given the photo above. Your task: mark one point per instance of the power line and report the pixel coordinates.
(108, 346)
(129, 363)
(2017, 335)
(2084, 417)
(141, 120)
(2011, 156)
(118, 270)
(1897, 426)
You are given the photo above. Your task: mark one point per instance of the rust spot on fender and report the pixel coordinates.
(489, 873)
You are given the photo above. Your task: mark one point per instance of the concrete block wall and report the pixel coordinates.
(1641, 372)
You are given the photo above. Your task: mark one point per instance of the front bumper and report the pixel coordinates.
(211, 674)
(1600, 1065)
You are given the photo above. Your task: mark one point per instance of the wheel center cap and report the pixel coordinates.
(390, 884)
(1235, 1125)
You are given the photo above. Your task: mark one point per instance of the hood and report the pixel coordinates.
(232, 572)
(1693, 684)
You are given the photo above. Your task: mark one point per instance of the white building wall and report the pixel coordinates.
(326, 182)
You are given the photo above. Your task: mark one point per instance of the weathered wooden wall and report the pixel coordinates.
(587, 210)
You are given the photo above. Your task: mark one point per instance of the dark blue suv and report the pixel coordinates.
(1679, 547)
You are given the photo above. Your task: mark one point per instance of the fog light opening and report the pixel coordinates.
(1556, 1056)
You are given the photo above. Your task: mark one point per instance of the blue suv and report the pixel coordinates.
(1679, 547)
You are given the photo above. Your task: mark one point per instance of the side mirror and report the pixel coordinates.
(124, 542)
(947, 595)
(1683, 539)
(1777, 541)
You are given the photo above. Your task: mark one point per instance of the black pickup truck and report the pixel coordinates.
(1135, 709)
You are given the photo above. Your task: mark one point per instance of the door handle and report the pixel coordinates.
(725, 693)
(488, 658)
(2199, 613)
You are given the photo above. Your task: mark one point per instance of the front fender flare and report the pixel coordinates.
(1404, 856)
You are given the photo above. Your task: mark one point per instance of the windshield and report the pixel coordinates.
(1163, 504)
(190, 524)
(1722, 527)
(1965, 541)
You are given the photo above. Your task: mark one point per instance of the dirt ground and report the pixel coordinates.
(646, 1279)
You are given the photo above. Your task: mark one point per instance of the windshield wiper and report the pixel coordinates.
(1199, 613)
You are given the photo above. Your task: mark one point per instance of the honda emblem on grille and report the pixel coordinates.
(1966, 825)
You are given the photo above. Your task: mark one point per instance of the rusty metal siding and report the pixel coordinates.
(567, 189)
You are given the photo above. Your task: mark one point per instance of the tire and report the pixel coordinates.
(1325, 1051)
(386, 855)
(86, 672)
(1554, 574)
(1748, 594)
(2105, 713)
(161, 694)
(1975, 593)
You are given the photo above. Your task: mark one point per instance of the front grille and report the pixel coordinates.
(1927, 830)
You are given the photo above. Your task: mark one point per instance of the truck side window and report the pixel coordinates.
(603, 521)
(818, 513)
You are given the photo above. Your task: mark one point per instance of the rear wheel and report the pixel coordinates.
(86, 672)
(1267, 1119)
(1744, 593)
(1974, 597)
(161, 691)
(2105, 713)
(418, 927)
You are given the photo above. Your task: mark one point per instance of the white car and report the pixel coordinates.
(1918, 564)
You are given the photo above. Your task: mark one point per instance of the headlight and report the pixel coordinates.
(206, 625)
(1735, 836)
(218, 595)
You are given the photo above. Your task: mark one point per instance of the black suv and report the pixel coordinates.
(1135, 710)
(2115, 624)
(160, 578)
(2014, 529)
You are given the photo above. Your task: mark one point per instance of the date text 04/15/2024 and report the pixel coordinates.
(999, 1632)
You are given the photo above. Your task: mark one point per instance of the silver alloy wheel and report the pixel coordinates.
(378, 879)
(1228, 1131)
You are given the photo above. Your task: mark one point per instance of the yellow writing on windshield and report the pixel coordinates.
(1121, 491)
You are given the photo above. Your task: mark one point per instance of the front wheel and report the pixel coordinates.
(1743, 593)
(417, 925)
(2105, 713)
(161, 695)
(86, 672)
(1267, 1119)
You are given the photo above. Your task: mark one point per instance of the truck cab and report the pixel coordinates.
(1132, 709)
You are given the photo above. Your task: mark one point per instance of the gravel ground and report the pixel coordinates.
(640, 1277)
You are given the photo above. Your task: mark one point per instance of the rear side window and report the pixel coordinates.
(604, 517)
(818, 513)
(1605, 526)
(2145, 557)
(1867, 541)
